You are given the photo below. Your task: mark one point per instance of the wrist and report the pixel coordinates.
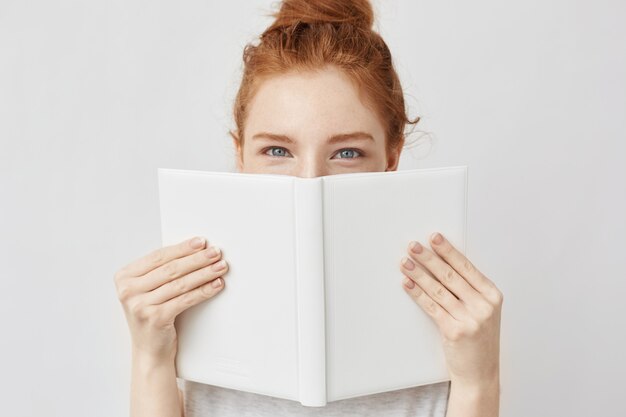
(477, 390)
(489, 379)
(475, 398)
(148, 360)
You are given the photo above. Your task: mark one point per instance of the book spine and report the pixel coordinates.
(309, 249)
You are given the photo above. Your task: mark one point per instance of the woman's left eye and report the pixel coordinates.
(348, 150)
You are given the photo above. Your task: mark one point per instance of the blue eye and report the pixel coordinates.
(282, 150)
(348, 150)
(272, 148)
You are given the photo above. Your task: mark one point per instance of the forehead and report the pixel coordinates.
(324, 101)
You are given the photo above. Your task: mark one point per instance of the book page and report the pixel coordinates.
(245, 337)
(378, 338)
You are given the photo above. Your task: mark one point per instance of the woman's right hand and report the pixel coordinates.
(156, 288)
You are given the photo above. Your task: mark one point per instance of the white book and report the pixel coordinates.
(313, 309)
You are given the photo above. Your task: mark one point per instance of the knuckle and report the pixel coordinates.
(118, 276)
(431, 307)
(139, 311)
(156, 256)
(416, 294)
(124, 291)
(440, 292)
(170, 270)
(454, 334)
(468, 267)
(179, 285)
(188, 299)
(466, 330)
(498, 297)
(449, 275)
(493, 294)
(421, 276)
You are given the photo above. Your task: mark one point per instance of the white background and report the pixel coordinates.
(95, 96)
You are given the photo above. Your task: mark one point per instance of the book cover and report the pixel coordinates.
(313, 309)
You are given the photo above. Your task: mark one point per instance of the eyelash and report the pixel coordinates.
(264, 152)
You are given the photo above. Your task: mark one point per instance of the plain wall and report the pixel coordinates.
(95, 96)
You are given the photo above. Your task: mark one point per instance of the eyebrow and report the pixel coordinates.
(332, 140)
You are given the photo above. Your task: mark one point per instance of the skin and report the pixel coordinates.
(308, 109)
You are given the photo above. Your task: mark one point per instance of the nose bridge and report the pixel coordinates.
(311, 166)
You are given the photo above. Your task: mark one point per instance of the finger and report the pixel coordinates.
(162, 256)
(187, 282)
(177, 305)
(177, 268)
(435, 290)
(447, 275)
(465, 268)
(441, 317)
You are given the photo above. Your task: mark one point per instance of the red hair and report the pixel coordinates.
(309, 35)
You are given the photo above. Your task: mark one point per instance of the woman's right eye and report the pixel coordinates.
(274, 154)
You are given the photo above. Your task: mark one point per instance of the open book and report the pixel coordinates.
(313, 309)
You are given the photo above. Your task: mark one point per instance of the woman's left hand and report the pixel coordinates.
(464, 304)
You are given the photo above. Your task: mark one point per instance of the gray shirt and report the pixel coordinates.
(202, 400)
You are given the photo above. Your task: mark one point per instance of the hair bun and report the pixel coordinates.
(355, 12)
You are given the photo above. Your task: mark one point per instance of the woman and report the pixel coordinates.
(319, 96)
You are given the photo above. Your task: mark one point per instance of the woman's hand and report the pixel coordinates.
(156, 288)
(465, 305)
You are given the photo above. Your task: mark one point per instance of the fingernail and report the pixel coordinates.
(408, 282)
(416, 247)
(408, 264)
(213, 251)
(218, 266)
(437, 238)
(217, 282)
(197, 242)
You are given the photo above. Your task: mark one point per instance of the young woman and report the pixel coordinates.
(319, 96)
